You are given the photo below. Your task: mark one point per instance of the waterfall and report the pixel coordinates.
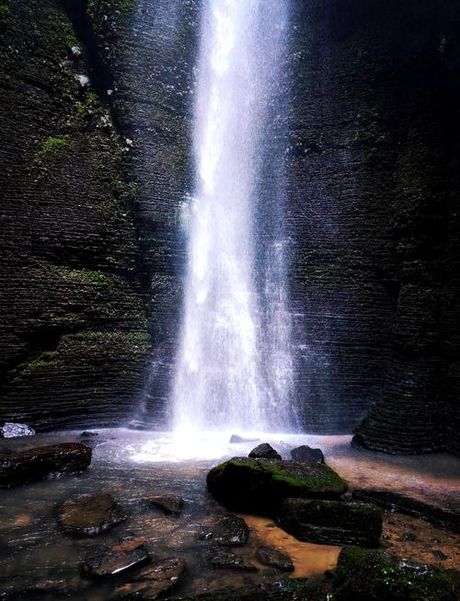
(234, 367)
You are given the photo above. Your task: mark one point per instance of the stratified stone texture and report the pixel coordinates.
(332, 522)
(374, 211)
(95, 106)
(73, 337)
(36, 464)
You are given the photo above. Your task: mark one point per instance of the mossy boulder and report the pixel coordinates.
(332, 522)
(260, 485)
(364, 575)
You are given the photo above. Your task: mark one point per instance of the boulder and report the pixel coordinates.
(11, 430)
(104, 561)
(89, 515)
(306, 454)
(269, 556)
(169, 503)
(152, 581)
(395, 501)
(234, 438)
(364, 575)
(230, 531)
(259, 485)
(35, 464)
(332, 522)
(264, 451)
(89, 434)
(221, 557)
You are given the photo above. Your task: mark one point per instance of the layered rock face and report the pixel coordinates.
(374, 208)
(73, 335)
(95, 176)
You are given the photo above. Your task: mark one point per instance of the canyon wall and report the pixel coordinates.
(95, 104)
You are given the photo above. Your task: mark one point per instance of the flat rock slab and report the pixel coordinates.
(264, 451)
(36, 464)
(269, 556)
(260, 485)
(332, 522)
(305, 454)
(221, 557)
(152, 581)
(445, 518)
(89, 515)
(105, 562)
(230, 531)
(172, 504)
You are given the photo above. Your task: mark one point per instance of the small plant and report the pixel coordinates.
(50, 148)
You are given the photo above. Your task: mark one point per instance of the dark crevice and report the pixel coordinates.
(99, 72)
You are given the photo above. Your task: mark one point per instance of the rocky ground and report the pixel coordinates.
(120, 530)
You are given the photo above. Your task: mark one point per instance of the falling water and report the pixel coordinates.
(234, 365)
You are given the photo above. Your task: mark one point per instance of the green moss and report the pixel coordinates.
(5, 12)
(373, 576)
(51, 148)
(259, 486)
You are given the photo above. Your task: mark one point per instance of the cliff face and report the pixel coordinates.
(73, 333)
(375, 211)
(96, 171)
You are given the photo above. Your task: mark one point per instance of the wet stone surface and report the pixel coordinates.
(230, 531)
(306, 454)
(264, 451)
(152, 580)
(172, 504)
(221, 557)
(23, 467)
(42, 563)
(89, 515)
(269, 556)
(106, 561)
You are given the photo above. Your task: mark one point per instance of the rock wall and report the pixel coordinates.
(95, 176)
(375, 214)
(73, 327)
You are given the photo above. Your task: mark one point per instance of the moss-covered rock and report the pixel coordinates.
(364, 575)
(332, 522)
(259, 485)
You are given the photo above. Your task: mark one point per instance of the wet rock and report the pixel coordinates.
(89, 515)
(264, 451)
(364, 575)
(234, 438)
(259, 485)
(306, 454)
(169, 503)
(231, 531)
(11, 430)
(129, 543)
(395, 501)
(152, 581)
(35, 464)
(5, 450)
(292, 589)
(221, 557)
(104, 561)
(273, 558)
(332, 522)
(89, 434)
